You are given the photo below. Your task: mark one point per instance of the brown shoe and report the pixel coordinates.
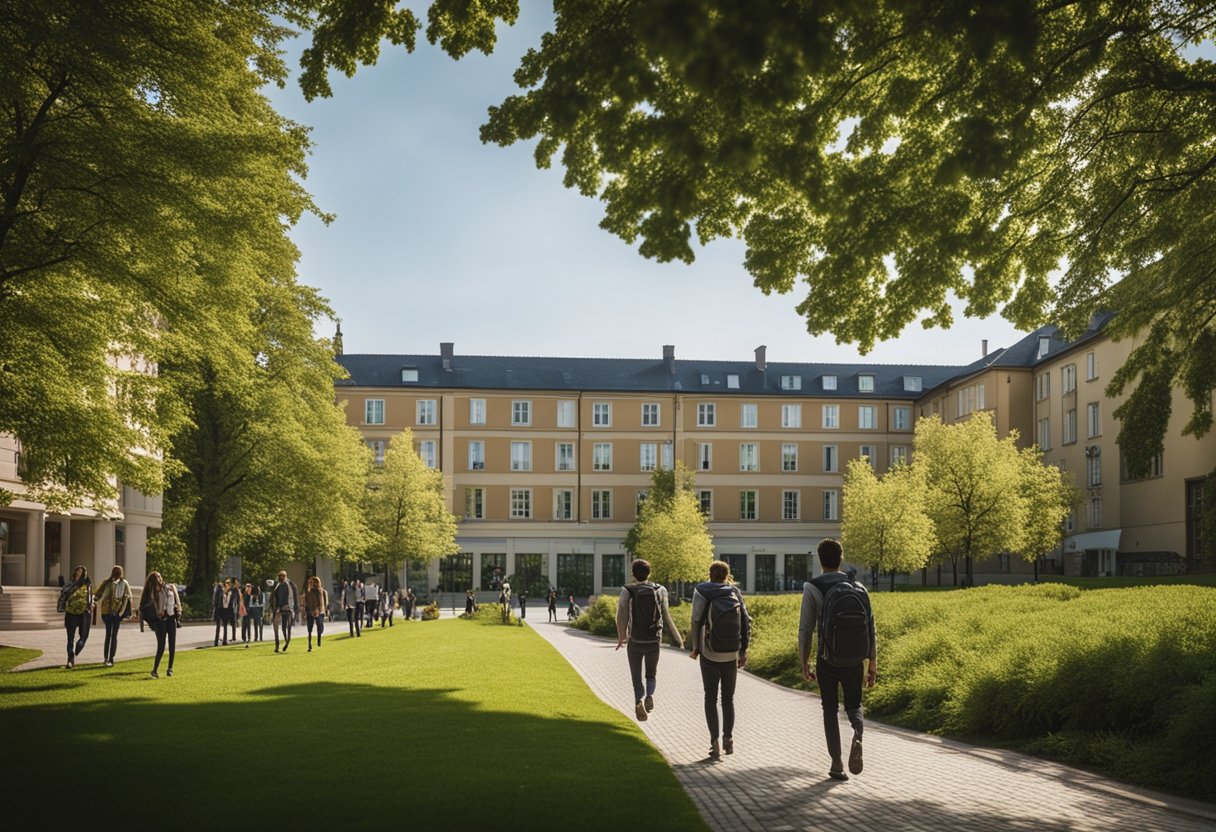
(640, 710)
(855, 756)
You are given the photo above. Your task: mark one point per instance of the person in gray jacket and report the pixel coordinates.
(641, 615)
(721, 630)
(285, 601)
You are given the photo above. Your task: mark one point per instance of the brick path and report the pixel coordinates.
(777, 777)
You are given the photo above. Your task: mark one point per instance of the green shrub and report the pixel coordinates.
(599, 617)
(490, 613)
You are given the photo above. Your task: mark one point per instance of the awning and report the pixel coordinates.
(1093, 540)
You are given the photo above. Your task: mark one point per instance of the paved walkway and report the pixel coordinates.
(777, 777)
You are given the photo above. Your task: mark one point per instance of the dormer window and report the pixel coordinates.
(705, 379)
(1044, 345)
(732, 381)
(829, 382)
(409, 375)
(865, 383)
(912, 384)
(791, 382)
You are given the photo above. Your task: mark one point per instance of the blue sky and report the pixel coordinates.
(441, 238)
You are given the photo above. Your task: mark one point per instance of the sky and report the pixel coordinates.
(441, 238)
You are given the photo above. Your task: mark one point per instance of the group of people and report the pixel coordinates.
(504, 598)
(230, 601)
(836, 625)
(358, 604)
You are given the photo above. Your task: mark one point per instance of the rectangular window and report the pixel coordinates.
(650, 414)
(477, 455)
(409, 375)
(1044, 437)
(373, 411)
(1095, 512)
(747, 415)
(1042, 386)
(474, 504)
(1091, 366)
(899, 455)
(521, 412)
(612, 571)
(789, 504)
(789, 456)
(601, 504)
(829, 382)
(748, 457)
(706, 499)
(649, 455)
(705, 456)
(747, 505)
(477, 411)
(1093, 468)
(901, 418)
(426, 450)
(426, 411)
(830, 459)
(601, 414)
(979, 396)
(521, 503)
(865, 383)
(667, 463)
(732, 381)
(377, 446)
(567, 415)
(565, 456)
(870, 454)
(1070, 426)
(791, 415)
(831, 415)
(1044, 345)
(706, 415)
(791, 382)
(1070, 521)
(912, 384)
(1068, 378)
(601, 456)
(738, 569)
(563, 504)
(1093, 420)
(521, 456)
(867, 417)
(831, 504)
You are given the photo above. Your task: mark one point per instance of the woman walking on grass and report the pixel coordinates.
(76, 604)
(114, 598)
(316, 602)
(162, 608)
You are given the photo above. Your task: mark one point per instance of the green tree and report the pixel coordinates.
(673, 537)
(884, 523)
(406, 508)
(1050, 495)
(664, 484)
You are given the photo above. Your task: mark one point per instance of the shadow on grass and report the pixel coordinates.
(425, 755)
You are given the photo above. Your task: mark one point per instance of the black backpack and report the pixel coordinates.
(645, 615)
(844, 625)
(723, 620)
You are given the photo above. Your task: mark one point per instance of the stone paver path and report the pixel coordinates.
(777, 777)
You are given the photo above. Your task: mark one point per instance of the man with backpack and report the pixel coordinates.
(839, 609)
(721, 629)
(641, 613)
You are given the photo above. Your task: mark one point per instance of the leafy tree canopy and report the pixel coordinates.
(884, 523)
(665, 483)
(406, 509)
(674, 538)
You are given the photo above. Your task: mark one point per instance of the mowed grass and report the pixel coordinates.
(448, 723)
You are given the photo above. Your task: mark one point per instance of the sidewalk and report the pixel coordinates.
(777, 777)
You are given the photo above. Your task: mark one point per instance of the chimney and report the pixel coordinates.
(984, 348)
(338, 340)
(446, 348)
(761, 363)
(669, 358)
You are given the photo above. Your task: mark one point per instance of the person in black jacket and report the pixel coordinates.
(285, 601)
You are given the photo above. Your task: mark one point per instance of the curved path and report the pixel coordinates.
(777, 777)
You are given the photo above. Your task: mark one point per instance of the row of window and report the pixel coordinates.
(1068, 378)
(1093, 426)
(521, 506)
(601, 414)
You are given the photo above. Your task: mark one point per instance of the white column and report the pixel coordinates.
(751, 571)
(597, 574)
(103, 549)
(35, 549)
(137, 553)
(553, 545)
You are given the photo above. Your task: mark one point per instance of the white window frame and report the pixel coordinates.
(601, 504)
(1069, 430)
(831, 504)
(749, 456)
(521, 455)
(707, 414)
(791, 416)
(791, 382)
(705, 456)
(648, 456)
(867, 413)
(665, 456)
(564, 462)
(901, 418)
(1093, 469)
(409, 375)
(601, 414)
(567, 413)
(563, 498)
(474, 503)
(749, 415)
(732, 381)
(425, 412)
(601, 456)
(1043, 436)
(1068, 379)
(869, 452)
(865, 382)
(830, 381)
(1095, 512)
(789, 456)
(1042, 386)
(477, 411)
(755, 504)
(651, 415)
(705, 501)
(913, 384)
(831, 417)
(831, 459)
(899, 455)
(373, 414)
(520, 505)
(377, 448)
(477, 455)
(1093, 420)
(1091, 366)
(521, 412)
(787, 504)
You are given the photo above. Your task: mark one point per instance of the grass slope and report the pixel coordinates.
(451, 723)
(11, 657)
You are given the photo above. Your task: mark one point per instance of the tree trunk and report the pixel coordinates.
(892, 580)
(970, 575)
(924, 576)
(939, 574)
(1036, 570)
(203, 568)
(954, 566)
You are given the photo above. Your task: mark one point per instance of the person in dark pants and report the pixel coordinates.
(316, 601)
(552, 604)
(523, 605)
(350, 603)
(360, 604)
(219, 602)
(285, 601)
(386, 608)
(233, 607)
(114, 599)
(641, 615)
(251, 614)
(469, 604)
(76, 604)
(719, 637)
(161, 601)
(833, 678)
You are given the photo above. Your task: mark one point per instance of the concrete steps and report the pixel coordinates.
(29, 608)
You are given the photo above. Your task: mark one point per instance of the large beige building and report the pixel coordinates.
(545, 460)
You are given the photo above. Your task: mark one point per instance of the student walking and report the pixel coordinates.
(76, 604)
(114, 599)
(350, 602)
(220, 599)
(251, 615)
(233, 587)
(721, 629)
(160, 606)
(523, 605)
(469, 604)
(552, 604)
(360, 604)
(641, 614)
(410, 600)
(285, 602)
(316, 601)
(839, 610)
(571, 610)
(386, 608)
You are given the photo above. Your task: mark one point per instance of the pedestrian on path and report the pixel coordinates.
(721, 629)
(76, 604)
(114, 599)
(386, 608)
(285, 601)
(350, 594)
(233, 587)
(359, 591)
(161, 607)
(523, 605)
(251, 615)
(219, 610)
(470, 606)
(839, 610)
(641, 614)
(316, 600)
(552, 604)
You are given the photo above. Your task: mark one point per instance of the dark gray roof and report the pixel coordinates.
(635, 375)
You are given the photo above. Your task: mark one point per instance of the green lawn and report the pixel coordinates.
(449, 723)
